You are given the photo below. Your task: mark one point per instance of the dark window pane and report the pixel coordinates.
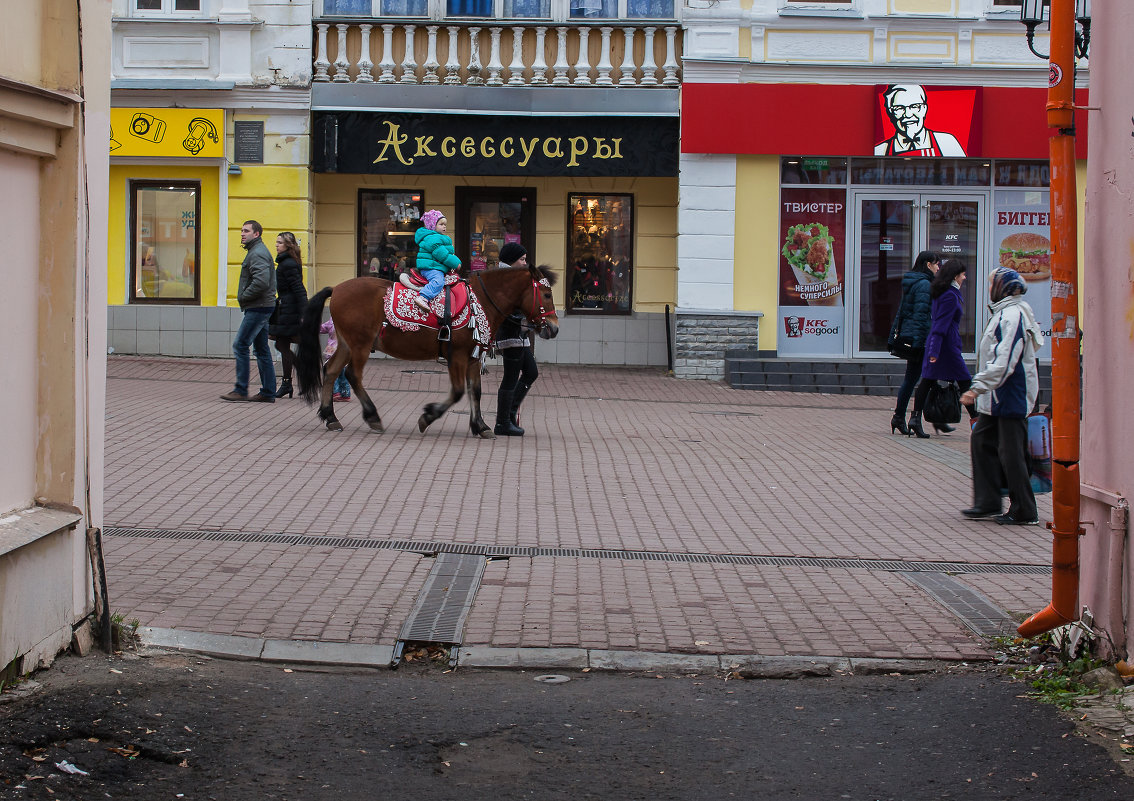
(813, 170)
(594, 8)
(527, 8)
(600, 253)
(355, 8)
(469, 8)
(404, 8)
(387, 222)
(187, 5)
(921, 172)
(148, 5)
(638, 9)
(1023, 173)
(165, 243)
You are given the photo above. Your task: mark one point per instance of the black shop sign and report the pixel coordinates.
(469, 144)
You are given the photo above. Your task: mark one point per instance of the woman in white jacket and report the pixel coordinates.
(1005, 390)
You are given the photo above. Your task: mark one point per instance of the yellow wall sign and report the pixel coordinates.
(180, 132)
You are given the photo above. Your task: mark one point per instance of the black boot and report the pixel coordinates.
(941, 428)
(517, 399)
(897, 423)
(285, 388)
(915, 426)
(504, 427)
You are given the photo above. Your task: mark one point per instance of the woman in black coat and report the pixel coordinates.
(911, 325)
(284, 328)
(513, 340)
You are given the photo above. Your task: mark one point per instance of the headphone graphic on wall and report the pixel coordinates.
(199, 128)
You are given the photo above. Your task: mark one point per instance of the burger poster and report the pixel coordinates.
(812, 241)
(1023, 243)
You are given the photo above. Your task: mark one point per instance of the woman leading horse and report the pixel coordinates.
(360, 320)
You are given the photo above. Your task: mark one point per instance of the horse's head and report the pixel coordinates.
(541, 312)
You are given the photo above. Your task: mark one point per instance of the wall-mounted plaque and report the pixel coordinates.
(248, 142)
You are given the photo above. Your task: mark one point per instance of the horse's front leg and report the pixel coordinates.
(456, 392)
(354, 378)
(476, 419)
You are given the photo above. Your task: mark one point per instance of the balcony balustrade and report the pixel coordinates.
(474, 54)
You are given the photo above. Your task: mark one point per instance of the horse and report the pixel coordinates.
(357, 307)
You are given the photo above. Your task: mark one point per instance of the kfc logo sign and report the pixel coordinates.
(801, 326)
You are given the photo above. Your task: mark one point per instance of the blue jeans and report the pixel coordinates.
(253, 332)
(342, 386)
(436, 280)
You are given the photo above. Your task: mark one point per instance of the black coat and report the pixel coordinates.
(293, 297)
(913, 317)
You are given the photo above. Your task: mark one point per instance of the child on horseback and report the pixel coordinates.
(435, 256)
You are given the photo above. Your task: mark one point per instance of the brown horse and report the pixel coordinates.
(358, 311)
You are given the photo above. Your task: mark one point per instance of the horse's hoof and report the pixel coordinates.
(375, 425)
(334, 425)
(422, 424)
(487, 434)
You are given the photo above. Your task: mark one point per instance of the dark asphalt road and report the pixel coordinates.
(209, 729)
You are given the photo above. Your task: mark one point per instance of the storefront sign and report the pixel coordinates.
(918, 121)
(1023, 243)
(813, 236)
(167, 132)
(467, 144)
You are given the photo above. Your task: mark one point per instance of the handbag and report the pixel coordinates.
(901, 346)
(943, 404)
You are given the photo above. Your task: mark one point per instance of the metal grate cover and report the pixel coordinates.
(413, 546)
(974, 609)
(439, 613)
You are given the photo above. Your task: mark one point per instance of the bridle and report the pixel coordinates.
(538, 314)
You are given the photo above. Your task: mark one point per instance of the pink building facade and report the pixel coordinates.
(1107, 466)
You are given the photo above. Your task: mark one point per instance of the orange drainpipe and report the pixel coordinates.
(1065, 528)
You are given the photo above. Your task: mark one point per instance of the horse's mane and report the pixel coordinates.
(546, 272)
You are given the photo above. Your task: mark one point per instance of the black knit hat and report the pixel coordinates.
(510, 252)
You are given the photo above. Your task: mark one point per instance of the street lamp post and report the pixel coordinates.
(1069, 39)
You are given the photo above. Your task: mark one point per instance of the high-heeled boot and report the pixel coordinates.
(504, 427)
(285, 388)
(898, 423)
(518, 398)
(915, 426)
(942, 428)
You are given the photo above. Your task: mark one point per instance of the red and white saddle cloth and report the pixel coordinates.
(404, 314)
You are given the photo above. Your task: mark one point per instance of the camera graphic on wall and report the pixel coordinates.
(146, 126)
(199, 128)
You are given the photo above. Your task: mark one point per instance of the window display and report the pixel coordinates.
(166, 243)
(600, 238)
(387, 221)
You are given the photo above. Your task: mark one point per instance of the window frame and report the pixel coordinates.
(559, 13)
(168, 10)
(568, 307)
(136, 184)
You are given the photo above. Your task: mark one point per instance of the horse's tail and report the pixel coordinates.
(309, 362)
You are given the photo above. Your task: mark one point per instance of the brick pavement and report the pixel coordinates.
(620, 459)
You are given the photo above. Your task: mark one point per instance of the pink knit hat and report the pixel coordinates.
(430, 218)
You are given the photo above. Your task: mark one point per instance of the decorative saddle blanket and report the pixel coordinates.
(404, 314)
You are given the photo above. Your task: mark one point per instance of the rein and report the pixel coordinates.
(538, 312)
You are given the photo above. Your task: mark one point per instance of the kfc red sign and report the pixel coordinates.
(795, 326)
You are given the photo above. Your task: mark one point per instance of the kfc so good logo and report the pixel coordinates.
(801, 326)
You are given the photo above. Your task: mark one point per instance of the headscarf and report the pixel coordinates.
(1005, 282)
(430, 218)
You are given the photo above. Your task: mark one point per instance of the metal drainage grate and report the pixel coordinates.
(444, 602)
(414, 546)
(974, 609)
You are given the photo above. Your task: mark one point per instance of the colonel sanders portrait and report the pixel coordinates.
(907, 107)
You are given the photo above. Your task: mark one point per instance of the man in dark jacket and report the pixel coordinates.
(256, 294)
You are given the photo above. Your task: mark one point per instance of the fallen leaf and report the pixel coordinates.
(92, 739)
(112, 670)
(183, 763)
(288, 670)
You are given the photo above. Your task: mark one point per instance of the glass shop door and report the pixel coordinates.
(487, 219)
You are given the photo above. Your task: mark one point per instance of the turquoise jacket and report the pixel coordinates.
(435, 251)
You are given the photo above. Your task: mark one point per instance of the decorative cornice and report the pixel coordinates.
(31, 117)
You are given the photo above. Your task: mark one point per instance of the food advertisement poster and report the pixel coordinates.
(1023, 242)
(812, 315)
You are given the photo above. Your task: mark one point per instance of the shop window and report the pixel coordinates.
(612, 9)
(813, 170)
(600, 244)
(387, 221)
(1022, 173)
(165, 247)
